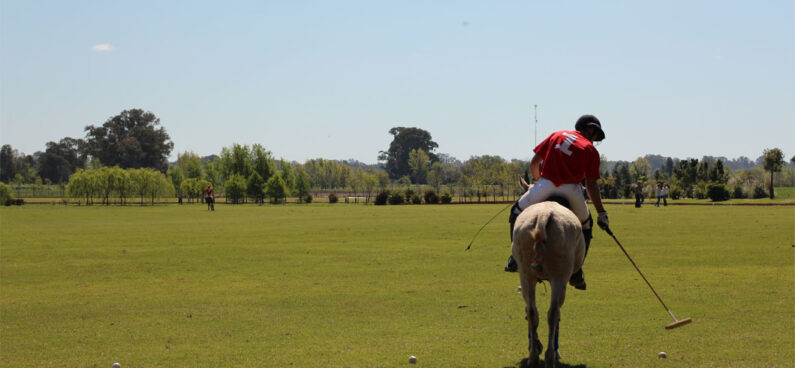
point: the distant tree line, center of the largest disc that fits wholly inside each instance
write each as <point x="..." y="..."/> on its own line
<point x="112" y="152"/>
<point x="693" y="178"/>
<point x="110" y="184"/>
<point x="133" y="139"/>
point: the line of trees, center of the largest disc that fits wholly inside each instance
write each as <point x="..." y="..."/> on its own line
<point x="693" y="178"/>
<point x="251" y="174"/>
<point x="134" y="139"/>
<point x="109" y="184"/>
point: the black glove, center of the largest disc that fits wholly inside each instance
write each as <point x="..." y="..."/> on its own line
<point x="603" y="221"/>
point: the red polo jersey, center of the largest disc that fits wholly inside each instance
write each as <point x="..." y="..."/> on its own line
<point x="568" y="158"/>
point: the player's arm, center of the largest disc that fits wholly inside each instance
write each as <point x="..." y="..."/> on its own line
<point x="535" y="166"/>
<point x="593" y="193"/>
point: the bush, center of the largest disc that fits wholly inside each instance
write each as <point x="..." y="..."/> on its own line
<point x="332" y="198"/>
<point x="308" y="198"/>
<point x="396" y="198"/>
<point x="447" y="198"/>
<point x="738" y="192"/>
<point x="431" y="197"/>
<point x="416" y="199"/>
<point x="700" y="190"/>
<point x="409" y="193"/>
<point x="717" y="192"/>
<point x="675" y="192"/>
<point x="5" y="193"/>
<point x="760" y="192"/>
<point x="381" y="198"/>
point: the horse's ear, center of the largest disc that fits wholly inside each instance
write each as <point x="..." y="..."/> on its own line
<point x="524" y="184"/>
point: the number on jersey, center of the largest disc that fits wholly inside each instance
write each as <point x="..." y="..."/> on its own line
<point x="564" y="147"/>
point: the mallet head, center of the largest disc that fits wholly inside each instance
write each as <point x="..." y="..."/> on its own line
<point x="678" y="323"/>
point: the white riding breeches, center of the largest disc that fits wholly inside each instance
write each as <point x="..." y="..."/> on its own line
<point x="544" y="189"/>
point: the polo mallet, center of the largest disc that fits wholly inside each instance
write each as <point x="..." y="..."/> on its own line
<point x="677" y="322"/>
<point x="484" y="225"/>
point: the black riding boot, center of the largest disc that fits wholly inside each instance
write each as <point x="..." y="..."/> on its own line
<point x="512" y="266"/>
<point x="578" y="278"/>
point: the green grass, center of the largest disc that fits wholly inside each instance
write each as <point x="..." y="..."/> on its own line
<point x="784" y="192"/>
<point x="365" y="286"/>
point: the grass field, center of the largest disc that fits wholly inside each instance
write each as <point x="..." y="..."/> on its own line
<point x="366" y="286"/>
<point x="784" y="192"/>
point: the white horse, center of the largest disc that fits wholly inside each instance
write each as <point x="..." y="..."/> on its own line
<point x="548" y="245"/>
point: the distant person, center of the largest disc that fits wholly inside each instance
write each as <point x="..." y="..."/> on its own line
<point x="209" y="197"/>
<point x="665" y="194"/>
<point x="658" y="193"/>
<point x="561" y="162"/>
<point x="638" y="194"/>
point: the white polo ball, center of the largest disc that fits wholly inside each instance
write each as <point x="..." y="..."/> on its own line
<point x="412" y="359"/>
<point x="662" y="355"/>
<point x="116" y="365"/>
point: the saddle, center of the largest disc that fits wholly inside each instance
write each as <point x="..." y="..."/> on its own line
<point x="560" y="200"/>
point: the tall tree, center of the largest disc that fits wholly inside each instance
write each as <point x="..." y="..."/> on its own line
<point x="236" y="161"/>
<point x="668" y="167"/>
<point x="132" y="139"/>
<point x="405" y="140"/>
<point x="718" y="174"/>
<point x="436" y="175"/>
<point x="369" y="183"/>
<point x="262" y="162"/>
<point x="286" y="171"/>
<point x="255" y="187"/>
<point x="276" y="189"/>
<point x="640" y="169"/>
<point x="174" y="173"/>
<point x="61" y="159"/>
<point x="419" y="164"/>
<point x="213" y="173"/>
<point x="301" y="183"/>
<point x="686" y="174"/>
<point x="773" y="161"/>
<point x="190" y="164"/>
<point x="16" y="166"/>
<point x="7" y="167"/>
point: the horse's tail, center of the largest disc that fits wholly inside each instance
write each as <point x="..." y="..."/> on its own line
<point x="538" y="235"/>
<point x="543" y="222"/>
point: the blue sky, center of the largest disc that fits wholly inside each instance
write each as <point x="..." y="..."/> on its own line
<point x="328" y="79"/>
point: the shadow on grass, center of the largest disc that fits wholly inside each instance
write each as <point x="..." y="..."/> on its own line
<point x="525" y="363"/>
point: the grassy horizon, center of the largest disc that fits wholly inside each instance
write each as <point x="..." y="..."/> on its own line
<point x="367" y="286"/>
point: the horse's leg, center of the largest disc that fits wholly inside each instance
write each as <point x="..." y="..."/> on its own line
<point x="531" y="312"/>
<point x="553" y="319"/>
